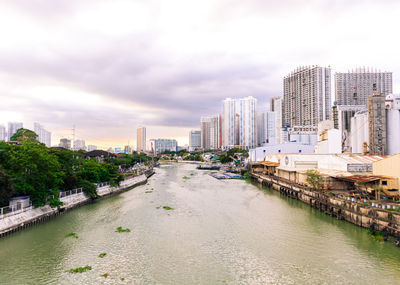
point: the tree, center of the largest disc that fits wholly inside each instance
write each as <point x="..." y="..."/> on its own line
<point x="5" y="187"/>
<point x="314" y="179"/>
<point x="24" y="135"/>
<point x="34" y="172"/>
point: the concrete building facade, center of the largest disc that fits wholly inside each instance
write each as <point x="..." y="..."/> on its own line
<point x="276" y="106"/>
<point x="44" y="136"/>
<point x="13" y="127"/>
<point x="194" y="140"/>
<point x="248" y="128"/>
<point x="359" y="136"/>
<point x="228" y="122"/>
<point x="377" y="124"/>
<point x="210" y="127"/>
<point x="392" y="105"/>
<point x="141" y="139"/>
<point x="307" y="96"/>
<point x="354" y="88"/>
<point x="79" y="145"/>
<point x="270" y="128"/>
<point x="158" y="146"/>
<point x="65" y="143"/>
<point x="3" y="133"/>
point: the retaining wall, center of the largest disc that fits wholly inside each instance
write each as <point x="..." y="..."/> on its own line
<point x="25" y="219"/>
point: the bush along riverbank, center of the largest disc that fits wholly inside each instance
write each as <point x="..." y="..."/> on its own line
<point x="29" y="168"/>
<point x="37" y="215"/>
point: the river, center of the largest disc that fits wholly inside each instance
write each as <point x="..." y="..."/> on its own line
<point x="218" y="232"/>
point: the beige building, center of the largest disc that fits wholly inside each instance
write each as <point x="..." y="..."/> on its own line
<point x="390" y="167"/>
<point x="141" y="139"/>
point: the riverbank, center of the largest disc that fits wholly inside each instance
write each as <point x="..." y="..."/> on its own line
<point x="358" y="214"/>
<point x="34" y="216"/>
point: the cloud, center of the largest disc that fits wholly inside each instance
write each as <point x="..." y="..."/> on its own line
<point x="109" y="66"/>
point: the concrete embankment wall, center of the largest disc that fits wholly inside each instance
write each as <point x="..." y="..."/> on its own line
<point x="31" y="217"/>
<point x="358" y="214"/>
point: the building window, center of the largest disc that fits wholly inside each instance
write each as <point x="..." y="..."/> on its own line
<point x="384" y="182"/>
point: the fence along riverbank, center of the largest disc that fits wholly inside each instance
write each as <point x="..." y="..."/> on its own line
<point x="31" y="216"/>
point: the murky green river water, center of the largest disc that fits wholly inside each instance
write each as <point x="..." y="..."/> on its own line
<point x="220" y="232"/>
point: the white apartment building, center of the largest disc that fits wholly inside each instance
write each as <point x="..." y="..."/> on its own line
<point x="276" y="106"/>
<point x="210" y="132"/>
<point x="3" y="133"/>
<point x="194" y="140"/>
<point x="307" y="96"/>
<point x="44" y="136"/>
<point x="260" y="123"/>
<point x="79" y="145"/>
<point x="158" y="146"/>
<point x="354" y="88"/>
<point x="91" y="147"/>
<point x="266" y="128"/>
<point x="13" y="127"/>
<point x="248" y="128"/>
<point x="270" y="128"/>
<point x="228" y="122"/>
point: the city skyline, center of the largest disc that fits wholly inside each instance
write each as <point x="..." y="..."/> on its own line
<point x="109" y="77"/>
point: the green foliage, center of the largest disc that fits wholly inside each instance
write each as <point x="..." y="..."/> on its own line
<point x="378" y="235"/>
<point x="89" y="189"/>
<point x="185" y="177"/>
<point x="79" y="269"/>
<point x="105" y="275"/>
<point x="74" y="235"/>
<point x="101" y="255"/>
<point x="34" y="172"/>
<point x="314" y="179"/>
<point x="40" y="172"/>
<point x="168" y="208"/>
<point x="224" y="158"/>
<point x="122" y="230"/>
<point x="24" y="135"/>
<point x="55" y="202"/>
<point x="148" y="191"/>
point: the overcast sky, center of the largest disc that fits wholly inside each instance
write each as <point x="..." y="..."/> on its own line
<point x="108" y="66"/>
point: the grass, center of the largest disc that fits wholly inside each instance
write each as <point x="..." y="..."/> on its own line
<point x="101" y="255"/>
<point x="378" y="235"/>
<point x="79" y="269"/>
<point x="74" y="235"/>
<point x="158" y="207"/>
<point x="105" y="275"/>
<point x="148" y="191"/>
<point x="122" y="278"/>
<point x="192" y="174"/>
<point x="121" y="230"/>
<point x="185" y="177"/>
<point x="167" y="208"/>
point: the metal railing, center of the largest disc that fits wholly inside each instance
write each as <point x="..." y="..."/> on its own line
<point x="13" y="210"/>
<point x="102" y="184"/>
<point x="70" y="192"/>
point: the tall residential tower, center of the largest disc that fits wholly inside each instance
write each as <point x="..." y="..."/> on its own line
<point x="141" y="139"/>
<point x="307" y="96"/>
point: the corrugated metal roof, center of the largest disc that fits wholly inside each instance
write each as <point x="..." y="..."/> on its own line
<point x="270" y="163"/>
<point x="360" y="158"/>
<point x="360" y="178"/>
